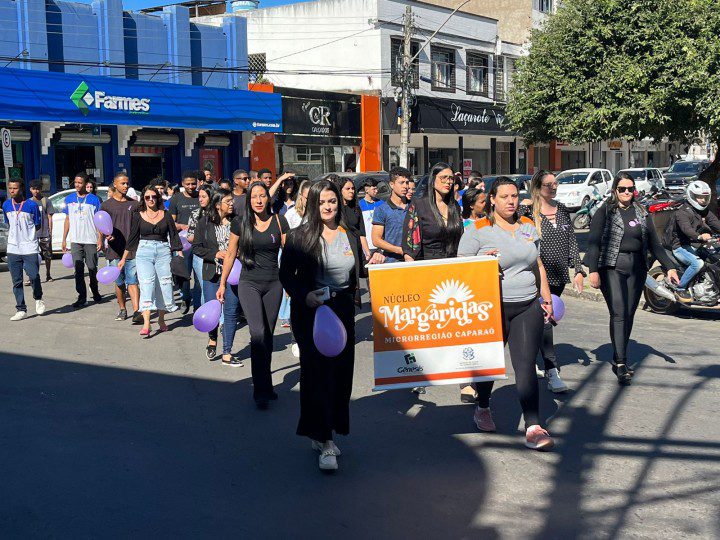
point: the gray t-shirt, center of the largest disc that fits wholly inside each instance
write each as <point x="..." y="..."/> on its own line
<point x="338" y="262"/>
<point x="518" y="254"/>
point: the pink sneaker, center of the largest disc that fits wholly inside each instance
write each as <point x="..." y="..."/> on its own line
<point x="483" y="419"/>
<point x="536" y="438"/>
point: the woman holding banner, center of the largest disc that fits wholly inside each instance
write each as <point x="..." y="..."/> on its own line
<point x="515" y="240"/>
<point x="433" y="224"/>
<point x="320" y="265"/>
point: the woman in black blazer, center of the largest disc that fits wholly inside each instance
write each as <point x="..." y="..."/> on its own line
<point x="322" y="253"/>
<point x="210" y="243"/>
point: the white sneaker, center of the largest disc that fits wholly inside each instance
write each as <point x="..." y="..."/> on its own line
<point x="20" y="315"/>
<point x="39" y="307"/>
<point x="555" y="383"/>
<point x="328" y="461"/>
<point x="539" y="372"/>
<point x="317" y="445"/>
<point x="295" y="350"/>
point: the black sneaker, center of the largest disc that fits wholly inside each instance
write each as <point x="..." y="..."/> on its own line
<point x="211" y="352"/>
<point x="97" y="298"/>
<point x="137" y="318"/>
<point x="122" y="315"/>
<point x="683" y="296"/>
<point x="79" y="304"/>
<point x="623" y="375"/>
<point x="233" y="362"/>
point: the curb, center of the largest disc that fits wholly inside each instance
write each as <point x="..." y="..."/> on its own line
<point x="587" y="294"/>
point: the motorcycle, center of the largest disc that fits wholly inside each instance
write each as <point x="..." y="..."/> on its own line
<point x="704" y="289"/>
<point x="585" y="214"/>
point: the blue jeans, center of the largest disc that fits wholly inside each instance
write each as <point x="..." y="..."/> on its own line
<point x="31" y="266"/>
<point x="231" y="312"/>
<point x="152" y="261"/>
<point x="196" y="268"/>
<point x="688" y="256"/>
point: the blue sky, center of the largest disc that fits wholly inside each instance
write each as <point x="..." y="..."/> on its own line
<point x="140" y="4"/>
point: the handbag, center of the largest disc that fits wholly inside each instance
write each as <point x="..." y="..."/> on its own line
<point x="179" y="269"/>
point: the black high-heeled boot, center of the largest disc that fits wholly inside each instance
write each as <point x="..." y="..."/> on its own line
<point x="623" y="374"/>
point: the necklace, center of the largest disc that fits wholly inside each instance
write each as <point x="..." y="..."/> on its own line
<point x="157" y="213"/>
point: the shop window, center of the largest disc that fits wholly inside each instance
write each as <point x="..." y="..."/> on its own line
<point x="477" y="77"/>
<point x="308" y="154"/>
<point x="396" y="61"/>
<point x="443" y="69"/>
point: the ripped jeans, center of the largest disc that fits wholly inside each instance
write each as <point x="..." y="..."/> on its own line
<point x="152" y="262"/>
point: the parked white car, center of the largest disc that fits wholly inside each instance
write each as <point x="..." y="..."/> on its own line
<point x="58" y="202"/>
<point x="646" y="178"/>
<point x="577" y="186"/>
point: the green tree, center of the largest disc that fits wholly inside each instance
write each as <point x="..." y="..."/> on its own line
<point x="605" y="69"/>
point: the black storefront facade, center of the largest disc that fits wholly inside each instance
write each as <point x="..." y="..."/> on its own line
<point x="469" y="135"/>
<point x="321" y="132"/>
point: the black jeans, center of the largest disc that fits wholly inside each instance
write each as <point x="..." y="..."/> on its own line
<point x="260" y="301"/>
<point x="85" y="255"/>
<point x="621" y="287"/>
<point x="547" y="349"/>
<point x="522" y="330"/>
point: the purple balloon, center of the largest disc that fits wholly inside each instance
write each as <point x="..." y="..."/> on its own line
<point x="207" y="316"/>
<point x="234" y="276"/>
<point x="67" y="260"/>
<point x="329" y="333"/>
<point x="558" y="308"/>
<point x="107" y="274"/>
<point x="186" y="245"/>
<point x="103" y="222"/>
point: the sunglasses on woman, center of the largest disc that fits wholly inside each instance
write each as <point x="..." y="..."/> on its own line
<point x="623" y="189"/>
<point x="150" y="198"/>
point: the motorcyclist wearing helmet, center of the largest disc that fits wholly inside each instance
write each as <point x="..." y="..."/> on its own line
<point x="692" y="222"/>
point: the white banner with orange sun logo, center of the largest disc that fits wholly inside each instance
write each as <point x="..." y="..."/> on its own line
<point x="436" y="322"/>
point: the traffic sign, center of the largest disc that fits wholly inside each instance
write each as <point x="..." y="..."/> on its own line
<point x="6" y="147"/>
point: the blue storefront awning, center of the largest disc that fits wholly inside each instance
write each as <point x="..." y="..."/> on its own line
<point x="42" y="96"/>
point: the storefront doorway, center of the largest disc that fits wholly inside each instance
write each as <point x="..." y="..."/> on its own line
<point x="146" y="164"/>
<point x="70" y="160"/>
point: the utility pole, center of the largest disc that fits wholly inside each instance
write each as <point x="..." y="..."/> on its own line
<point x="407" y="84"/>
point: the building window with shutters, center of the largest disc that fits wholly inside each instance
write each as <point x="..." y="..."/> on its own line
<point x="396" y="61"/>
<point x="504" y="68"/>
<point x="477" y="74"/>
<point x="443" y="69"/>
<point x="544" y="6"/>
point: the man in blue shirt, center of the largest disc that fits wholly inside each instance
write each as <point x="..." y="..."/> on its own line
<point x="85" y="241"/>
<point x="388" y="217"/>
<point x="23" y="217"/>
<point x="368" y="204"/>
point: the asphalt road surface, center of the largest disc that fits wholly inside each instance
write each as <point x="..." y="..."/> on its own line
<point x="107" y="435"/>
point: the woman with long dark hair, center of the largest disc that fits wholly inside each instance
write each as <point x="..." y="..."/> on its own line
<point x="285" y="197"/>
<point x="256" y="237"/>
<point x="210" y="245"/>
<point x="320" y="265"/>
<point x="205" y="194"/>
<point x="153" y="238"/>
<point x="433" y="224"/>
<point x="515" y="240"/>
<point x="351" y="213"/>
<point x="622" y="234"/>
<point x="558" y="252"/>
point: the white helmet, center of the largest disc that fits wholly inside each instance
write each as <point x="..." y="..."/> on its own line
<point x="698" y="189"/>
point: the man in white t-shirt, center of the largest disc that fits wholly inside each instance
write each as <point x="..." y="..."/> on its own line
<point x="85" y="241"/>
<point x="23" y="218"/>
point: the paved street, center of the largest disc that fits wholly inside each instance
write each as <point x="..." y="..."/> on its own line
<point x="108" y="435"/>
